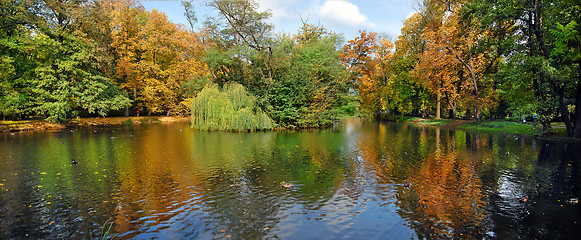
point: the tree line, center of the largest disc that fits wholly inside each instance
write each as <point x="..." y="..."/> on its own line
<point x="469" y="59"/>
<point x="62" y="59"/>
<point x="476" y="58"/>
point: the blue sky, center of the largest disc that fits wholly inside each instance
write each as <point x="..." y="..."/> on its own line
<point x="340" y="16"/>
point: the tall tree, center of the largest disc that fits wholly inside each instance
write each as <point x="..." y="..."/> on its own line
<point x="127" y="21"/>
<point x="536" y="60"/>
<point x="59" y="72"/>
<point x="409" y="94"/>
<point x="367" y="59"/>
<point x="249" y="28"/>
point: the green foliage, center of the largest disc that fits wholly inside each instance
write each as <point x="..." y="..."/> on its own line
<point x="54" y="63"/>
<point x="567" y="40"/>
<point x="229" y="108"/>
<point x="310" y="88"/>
<point x="66" y="79"/>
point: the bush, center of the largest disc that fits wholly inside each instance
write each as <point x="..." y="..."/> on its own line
<point x="231" y="108"/>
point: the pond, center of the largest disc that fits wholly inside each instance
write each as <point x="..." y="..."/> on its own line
<point x="357" y="180"/>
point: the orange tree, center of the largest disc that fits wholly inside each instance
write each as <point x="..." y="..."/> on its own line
<point x="367" y="60"/>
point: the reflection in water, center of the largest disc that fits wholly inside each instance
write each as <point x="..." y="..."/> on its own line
<point x="361" y="179"/>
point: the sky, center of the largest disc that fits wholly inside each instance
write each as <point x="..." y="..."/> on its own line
<point x="340" y="16"/>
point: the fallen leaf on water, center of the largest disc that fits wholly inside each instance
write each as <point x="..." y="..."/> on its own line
<point x="222" y="230"/>
<point x="228" y="236"/>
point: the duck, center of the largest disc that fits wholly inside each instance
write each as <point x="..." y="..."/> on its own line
<point x="286" y="185"/>
<point x="74" y="161"/>
<point x="525" y="198"/>
<point x="573" y="201"/>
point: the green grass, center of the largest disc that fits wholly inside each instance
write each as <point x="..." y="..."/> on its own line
<point x="502" y="127"/>
<point x="127" y="122"/>
<point x="436" y="122"/>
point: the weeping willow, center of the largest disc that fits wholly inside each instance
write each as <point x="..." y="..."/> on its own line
<point x="231" y="108"/>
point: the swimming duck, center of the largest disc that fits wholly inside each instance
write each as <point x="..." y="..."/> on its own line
<point x="573" y="201"/>
<point x="285" y="184"/>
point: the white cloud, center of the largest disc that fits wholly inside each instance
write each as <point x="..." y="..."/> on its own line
<point x="344" y="13"/>
<point x="278" y="8"/>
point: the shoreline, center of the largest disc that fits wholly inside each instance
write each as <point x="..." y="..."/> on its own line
<point x="494" y="127"/>
<point x="42" y="125"/>
<point x="466" y="125"/>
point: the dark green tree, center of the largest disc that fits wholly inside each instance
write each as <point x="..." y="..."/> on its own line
<point x="540" y="72"/>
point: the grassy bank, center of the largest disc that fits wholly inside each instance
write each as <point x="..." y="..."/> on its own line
<point x="503" y="127"/>
<point x="41" y="125"/>
<point x="497" y="126"/>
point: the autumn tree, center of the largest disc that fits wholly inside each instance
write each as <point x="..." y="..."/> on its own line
<point x="158" y="62"/>
<point x="450" y="65"/>
<point x="367" y="59"/>
<point x="127" y="21"/>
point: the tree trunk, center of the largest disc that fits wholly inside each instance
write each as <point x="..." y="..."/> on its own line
<point x="452" y="113"/>
<point x="577" y="130"/>
<point x="126" y="113"/>
<point x="438" y="106"/>
<point x="424" y="115"/>
<point x="546" y="128"/>
<point x="565" y="113"/>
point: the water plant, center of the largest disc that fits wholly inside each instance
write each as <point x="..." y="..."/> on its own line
<point x="105" y="234"/>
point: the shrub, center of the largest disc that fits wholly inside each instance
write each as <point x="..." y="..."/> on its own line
<point x="232" y="108"/>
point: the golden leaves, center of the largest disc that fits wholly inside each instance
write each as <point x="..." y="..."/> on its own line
<point x="156" y="57"/>
<point x="368" y="61"/>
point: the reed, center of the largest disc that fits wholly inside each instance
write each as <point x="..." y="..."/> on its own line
<point x="229" y="108"/>
<point x="105" y="231"/>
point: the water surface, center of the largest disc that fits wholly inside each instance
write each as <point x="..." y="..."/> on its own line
<point x="358" y="180"/>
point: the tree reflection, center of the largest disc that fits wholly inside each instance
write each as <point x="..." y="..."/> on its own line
<point x="159" y="181"/>
<point x="445" y="199"/>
